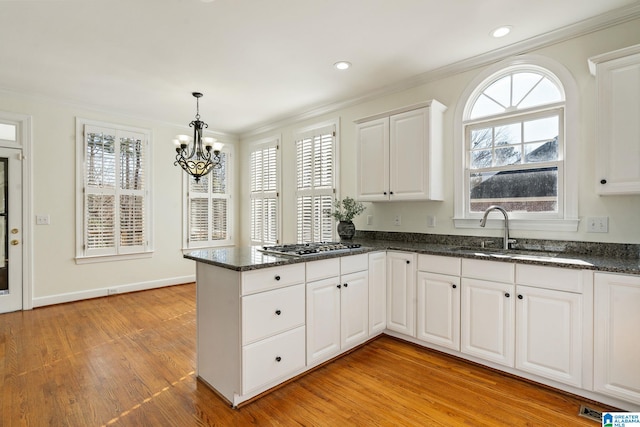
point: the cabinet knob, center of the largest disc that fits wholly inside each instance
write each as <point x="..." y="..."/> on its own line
<point x="339" y="286"/>
<point x="384" y="192"/>
<point x="408" y="262"/>
<point x="454" y="286"/>
<point x="520" y="297"/>
<point x="603" y="181"/>
<point x="278" y="312"/>
<point x="346" y="285"/>
<point x="390" y="192"/>
<point x="507" y="294"/>
<point x="277" y="277"/>
<point x="278" y="358"/>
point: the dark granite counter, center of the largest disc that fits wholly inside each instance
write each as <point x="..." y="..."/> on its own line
<point x="616" y="258"/>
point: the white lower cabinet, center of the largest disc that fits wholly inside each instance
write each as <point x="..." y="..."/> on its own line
<point x="377" y="292"/>
<point x="487" y="320"/>
<point x="616" y="343"/>
<point x="401" y="285"/>
<point x="337" y="307"/>
<point x="438" y="301"/>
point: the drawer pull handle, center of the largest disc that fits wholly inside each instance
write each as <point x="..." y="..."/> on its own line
<point x="339" y="286"/>
<point x="346" y="285"/>
<point x="520" y="297"/>
<point x="506" y="294"/>
<point x="278" y="358"/>
<point x="277" y="277"/>
<point x="278" y="312"/>
<point x="454" y="286"/>
<point x="603" y="181"/>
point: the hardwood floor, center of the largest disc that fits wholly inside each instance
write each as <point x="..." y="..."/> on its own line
<point x="129" y="360"/>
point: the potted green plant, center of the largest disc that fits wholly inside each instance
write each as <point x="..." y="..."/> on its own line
<point x="344" y="211"/>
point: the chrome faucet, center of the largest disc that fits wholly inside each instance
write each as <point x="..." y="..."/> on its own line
<point x="483" y="222"/>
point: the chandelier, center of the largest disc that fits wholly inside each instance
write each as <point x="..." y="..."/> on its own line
<point x="204" y="154"/>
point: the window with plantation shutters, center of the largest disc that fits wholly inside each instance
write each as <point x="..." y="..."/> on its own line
<point x="208" y="207"/>
<point x="113" y="195"/>
<point x="315" y="183"/>
<point x="263" y="165"/>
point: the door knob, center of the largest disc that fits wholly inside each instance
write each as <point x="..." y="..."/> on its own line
<point x="14" y="242"/>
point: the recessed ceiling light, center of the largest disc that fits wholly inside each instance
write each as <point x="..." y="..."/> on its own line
<point x="342" y="65"/>
<point x="501" y="31"/>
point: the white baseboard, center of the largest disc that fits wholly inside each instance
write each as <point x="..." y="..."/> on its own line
<point x="111" y="290"/>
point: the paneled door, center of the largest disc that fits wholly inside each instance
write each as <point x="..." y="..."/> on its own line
<point x="11" y="243"/>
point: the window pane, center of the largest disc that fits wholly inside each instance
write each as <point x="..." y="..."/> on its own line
<point x="7" y="132"/>
<point x="199" y="219"/>
<point x="481" y="138"/>
<point x="546" y="92"/>
<point x="218" y="219"/>
<point x="511" y="155"/>
<point x="508" y="134"/>
<point x="541" y="130"/>
<point x="500" y="92"/>
<point x="101" y="214"/>
<point x="541" y="151"/>
<point x="131" y="164"/>
<point x="201" y="186"/>
<point x="523" y="83"/>
<point x="481" y="159"/>
<point x="219" y="176"/>
<point x="533" y="190"/>
<point x="101" y="160"/>
<point x="485" y="107"/>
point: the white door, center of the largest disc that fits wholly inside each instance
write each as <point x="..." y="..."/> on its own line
<point x="487" y="320"/>
<point x="377" y="292"/>
<point x="354" y="309"/>
<point x="401" y="283"/>
<point x="323" y="319"/>
<point x="10" y="230"/>
<point x="438" y="309"/>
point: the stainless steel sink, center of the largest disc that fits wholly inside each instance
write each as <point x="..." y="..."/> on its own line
<point x="506" y="253"/>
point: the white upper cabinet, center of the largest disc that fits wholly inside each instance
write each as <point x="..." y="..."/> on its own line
<point x="618" y="128"/>
<point x="400" y="154"/>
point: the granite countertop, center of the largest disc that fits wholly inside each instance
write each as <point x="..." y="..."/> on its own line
<point x="588" y="256"/>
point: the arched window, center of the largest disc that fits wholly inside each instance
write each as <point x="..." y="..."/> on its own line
<point x="513" y="132"/>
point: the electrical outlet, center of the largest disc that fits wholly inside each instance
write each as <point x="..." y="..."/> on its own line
<point x="431" y="221"/>
<point x="43" y="219"/>
<point x="112" y="291"/>
<point x="598" y="224"/>
<point x="369" y="219"/>
<point x="397" y="220"/>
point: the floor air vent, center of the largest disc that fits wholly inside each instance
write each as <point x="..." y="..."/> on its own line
<point x="591" y="414"/>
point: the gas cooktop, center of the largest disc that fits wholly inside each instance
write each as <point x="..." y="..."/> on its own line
<point x="305" y="249"/>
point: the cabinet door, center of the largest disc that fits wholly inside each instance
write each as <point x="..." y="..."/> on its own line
<point x="323" y="319"/>
<point x="487" y="316"/>
<point x="373" y="160"/>
<point x="616" y="344"/>
<point x="438" y="309"/>
<point x="408" y="155"/>
<point x="401" y="283"/>
<point x="377" y="292"/>
<point x="549" y="334"/>
<point x="618" y="132"/>
<point x="354" y="309"/>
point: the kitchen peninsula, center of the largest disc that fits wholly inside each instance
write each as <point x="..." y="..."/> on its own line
<point x="264" y="319"/>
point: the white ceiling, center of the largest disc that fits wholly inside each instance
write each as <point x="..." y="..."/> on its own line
<point x="256" y="61"/>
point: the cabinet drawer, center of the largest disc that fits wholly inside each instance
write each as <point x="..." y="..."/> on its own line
<point x="353" y="263"/>
<point x="272" y="312"/>
<point x="488" y="270"/>
<point x="323" y="269"/>
<point x="271" y="359"/>
<point x="272" y="278"/>
<point x="439" y="264"/>
<point x="561" y="279"/>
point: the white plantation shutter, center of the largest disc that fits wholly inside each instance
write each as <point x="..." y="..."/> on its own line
<point x="315" y="165"/>
<point x="209" y="208"/>
<point x="115" y="195"/>
<point x="264" y="193"/>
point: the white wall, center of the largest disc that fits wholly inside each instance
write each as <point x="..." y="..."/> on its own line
<point x="623" y="211"/>
<point x="56" y="276"/>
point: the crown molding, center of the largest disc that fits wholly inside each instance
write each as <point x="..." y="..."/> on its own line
<point x="590" y="25"/>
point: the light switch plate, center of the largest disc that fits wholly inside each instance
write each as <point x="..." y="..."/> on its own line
<point x="43" y="219"/>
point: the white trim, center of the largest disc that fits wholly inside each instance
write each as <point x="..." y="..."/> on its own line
<point x="119" y="289"/>
<point x="108" y="258"/>
<point x="571" y="131"/>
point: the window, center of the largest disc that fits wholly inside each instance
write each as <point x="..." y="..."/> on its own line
<point x="264" y="164"/>
<point x="515" y="152"/>
<point x="208" y="204"/>
<point x="315" y="189"/>
<point x="113" y="197"/>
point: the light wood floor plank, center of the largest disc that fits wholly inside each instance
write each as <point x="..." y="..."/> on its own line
<point x="129" y="360"/>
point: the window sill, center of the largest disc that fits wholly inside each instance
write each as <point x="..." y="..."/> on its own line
<point x="521" y="224"/>
<point x="109" y="258"/>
